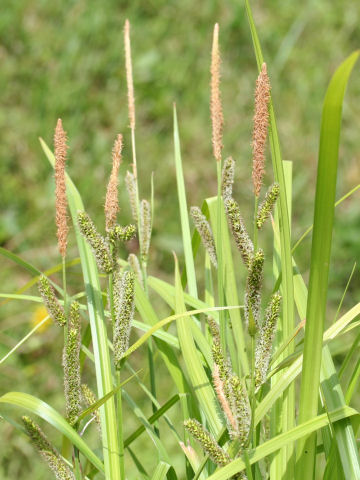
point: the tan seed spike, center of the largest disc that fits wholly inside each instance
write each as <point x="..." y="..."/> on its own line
<point x="261" y="123"/>
<point x="129" y="75"/>
<point x="217" y="118"/>
<point x="60" y="147"/>
<point x="111" y="201"/>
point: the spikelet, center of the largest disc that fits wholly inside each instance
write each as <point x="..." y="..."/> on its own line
<point x="267" y="205"/>
<point x="129" y="75"/>
<point x="145" y="229"/>
<point x="52" y="304"/>
<point x="60" y="148"/>
<point x="97" y="242"/>
<point x="205" y="232"/>
<point x="253" y="288"/>
<point x="131" y="189"/>
<point x="228" y="173"/>
<point x="135" y="265"/>
<point x="111" y="200"/>
<point x="237" y="227"/>
<point x="88" y="399"/>
<point x="241" y="409"/>
<point x="121" y="234"/>
<point x="217" y="119"/>
<point x="265" y="340"/>
<point x="71" y="364"/>
<point x="207" y="441"/>
<point x="47" y="451"/>
<point x="124" y="291"/>
<point x="261" y="123"/>
<point x="222" y="397"/>
<point x="217" y="352"/>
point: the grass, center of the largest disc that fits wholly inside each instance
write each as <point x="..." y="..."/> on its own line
<point x="176" y="380"/>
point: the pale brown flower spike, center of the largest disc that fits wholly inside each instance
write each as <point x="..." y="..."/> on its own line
<point x="60" y="147"/>
<point x="111" y="200"/>
<point x="129" y="75"/>
<point x="261" y="123"/>
<point x="217" y="118"/>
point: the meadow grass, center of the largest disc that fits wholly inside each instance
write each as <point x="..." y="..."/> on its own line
<point x="231" y="355"/>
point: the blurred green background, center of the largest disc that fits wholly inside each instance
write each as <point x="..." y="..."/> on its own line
<point x="65" y="59"/>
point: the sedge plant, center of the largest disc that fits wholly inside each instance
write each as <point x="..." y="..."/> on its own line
<point x="232" y="352"/>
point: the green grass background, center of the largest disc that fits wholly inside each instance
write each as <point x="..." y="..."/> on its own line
<point x="65" y="59"/>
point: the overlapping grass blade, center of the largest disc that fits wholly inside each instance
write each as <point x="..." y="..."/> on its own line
<point x="99" y="339"/>
<point x="320" y="257"/>
<point x="51" y="416"/>
<point x="280" y="441"/>
<point x="199" y="380"/>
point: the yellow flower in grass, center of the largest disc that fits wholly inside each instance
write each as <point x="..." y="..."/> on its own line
<point x="38" y="316"/>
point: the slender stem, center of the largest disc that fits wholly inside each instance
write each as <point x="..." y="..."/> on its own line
<point x="255" y="227"/>
<point x="252" y="432"/>
<point x="220" y="259"/>
<point x="77" y="465"/>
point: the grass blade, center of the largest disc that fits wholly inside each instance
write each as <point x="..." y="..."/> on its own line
<point x="320" y="257"/>
<point x="51" y="416"/>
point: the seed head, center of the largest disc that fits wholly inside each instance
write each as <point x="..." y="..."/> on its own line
<point x="60" y="148"/>
<point x="47" y="451"/>
<point x="267" y="205"/>
<point x="97" y="242"/>
<point x="207" y="441"/>
<point x="228" y="173"/>
<point x="253" y="288"/>
<point x="111" y="200"/>
<point x="88" y="398"/>
<point x="260" y="130"/>
<point x="145" y="229"/>
<point x="224" y="403"/>
<point x="135" y="266"/>
<point x="241" y="408"/>
<point x="132" y="189"/>
<point x="205" y="232"/>
<point x="71" y="364"/>
<point x="52" y="304"/>
<point x="265" y="340"/>
<point x="124" y="304"/>
<point x="122" y="234"/>
<point x="215" y="99"/>
<point x="238" y="229"/>
<point x="129" y="75"/>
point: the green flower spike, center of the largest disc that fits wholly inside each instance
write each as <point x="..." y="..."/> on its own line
<point x="52" y="304"/>
<point x="253" y="289"/>
<point x="267" y="205"/>
<point x="205" y="232"/>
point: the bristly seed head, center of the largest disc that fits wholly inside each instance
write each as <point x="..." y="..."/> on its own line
<point x="111" y="200"/>
<point x="60" y="148"/>
<point x="268" y="204"/>
<point x="241" y="407"/>
<point x="215" y="99"/>
<point x="265" y="340"/>
<point x="121" y="234"/>
<point x="135" y="265"/>
<point x="260" y="129"/>
<point x="238" y="229"/>
<point x="208" y="443"/>
<point x="88" y="398"/>
<point x="131" y="189"/>
<point x="205" y="232"/>
<point x="97" y="242"/>
<point x="47" y="451"/>
<point x="52" y="304"/>
<point x="71" y="364"/>
<point x="253" y="288"/>
<point x="228" y="174"/>
<point x="124" y="305"/>
<point x="145" y="229"/>
<point x="129" y="75"/>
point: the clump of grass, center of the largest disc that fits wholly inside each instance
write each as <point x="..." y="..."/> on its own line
<point x="222" y="404"/>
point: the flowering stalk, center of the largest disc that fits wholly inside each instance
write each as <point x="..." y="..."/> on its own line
<point x="111" y="199"/>
<point x="205" y="232"/>
<point x="48" y="452"/>
<point x="52" y="304"/>
<point x="267" y="205"/>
